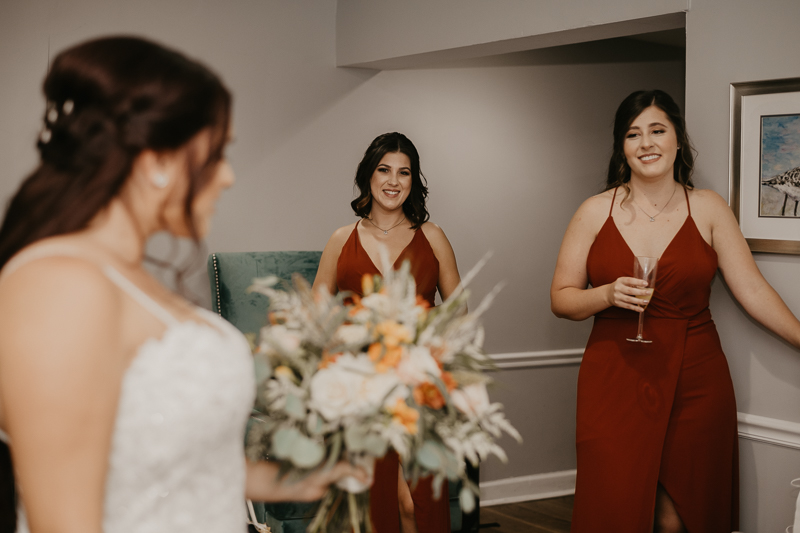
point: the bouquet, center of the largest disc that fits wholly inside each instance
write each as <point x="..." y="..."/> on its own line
<point x="347" y="380"/>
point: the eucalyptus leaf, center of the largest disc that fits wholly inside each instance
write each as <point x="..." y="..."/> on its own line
<point x="429" y="456"/>
<point x="355" y="438"/>
<point x="437" y="486"/>
<point x="467" y="500"/>
<point x="307" y="453"/>
<point x="285" y="439"/>
<point x="262" y="367"/>
<point x="295" y="407"/>
<point x="451" y="464"/>
<point x="375" y="445"/>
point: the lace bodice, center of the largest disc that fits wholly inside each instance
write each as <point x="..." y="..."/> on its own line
<point x="177" y="460"/>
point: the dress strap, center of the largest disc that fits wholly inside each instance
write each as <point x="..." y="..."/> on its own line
<point x="613" y="198"/>
<point x="139" y="296"/>
<point x="687" y="201"/>
<point x="62" y="250"/>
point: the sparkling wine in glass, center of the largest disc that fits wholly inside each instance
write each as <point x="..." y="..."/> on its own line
<point x="644" y="268"/>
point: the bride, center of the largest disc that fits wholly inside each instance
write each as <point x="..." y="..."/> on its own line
<point x="124" y="406"/>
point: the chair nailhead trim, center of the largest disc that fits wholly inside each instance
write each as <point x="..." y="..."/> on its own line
<point x="216" y="283"/>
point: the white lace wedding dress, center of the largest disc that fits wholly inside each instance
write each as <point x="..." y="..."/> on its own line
<point x="177" y="460"/>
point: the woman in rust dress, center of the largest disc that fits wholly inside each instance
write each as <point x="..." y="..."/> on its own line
<point x="392" y="215"/>
<point x="656" y="428"/>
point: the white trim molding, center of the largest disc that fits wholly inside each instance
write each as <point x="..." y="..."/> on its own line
<point x="503" y="361"/>
<point x="526" y="488"/>
<point x="769" y="430"/>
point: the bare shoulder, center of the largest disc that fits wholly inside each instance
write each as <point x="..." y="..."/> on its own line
<point x="707" y="199"/>
<point x="435" y="236"/>
<point x="710" y="211"/>
<point x="58" y="284"/>
<point x="341" y="235"/>
<point x="593" y="212"/>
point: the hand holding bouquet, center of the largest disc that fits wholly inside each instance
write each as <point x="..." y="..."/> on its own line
<point x="347" y="381"/>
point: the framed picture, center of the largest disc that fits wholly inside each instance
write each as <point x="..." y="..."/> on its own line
<point x="765" y="163"/>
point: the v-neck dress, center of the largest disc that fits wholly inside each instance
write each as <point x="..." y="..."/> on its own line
<point x="656" y="413"/>
<point x="432" y="516"/>
<point x="354" y="262"/>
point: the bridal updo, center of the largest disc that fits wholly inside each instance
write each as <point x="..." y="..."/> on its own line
<point x="107" y="100"/>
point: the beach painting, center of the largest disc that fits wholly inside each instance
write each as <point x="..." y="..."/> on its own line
<point x="779" y="193"/>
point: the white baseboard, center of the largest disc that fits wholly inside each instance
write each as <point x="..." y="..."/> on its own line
<point x="769" y="430"/>
<point x="571" y="356"/>
<point x="526" y="488"/>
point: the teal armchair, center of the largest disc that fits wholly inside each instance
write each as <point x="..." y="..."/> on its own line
<point x="230" y="275"/>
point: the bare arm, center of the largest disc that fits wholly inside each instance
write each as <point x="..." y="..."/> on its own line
<point x="570" y="296"/>
<point x="61" y="366"/>
<point x="741" y="273"/>
<point x="326" y="274"/>
<point x="449" y="277"/>
<point x="264" y="484"/>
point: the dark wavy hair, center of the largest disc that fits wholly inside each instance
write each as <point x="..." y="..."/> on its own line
<point x="619" y="173"/>
<point x="108" y="100"/>
<point x="414" y="206"/>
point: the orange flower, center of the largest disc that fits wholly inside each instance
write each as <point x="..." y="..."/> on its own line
<point x="428" y="394"/>
<point x="449" y="381"/>
<point x="375" y="351"/>
<point x="328" y="359"/>
<point x="356" y="305"/>
<point x="385" y="357"/>
<point x="422" y="302"/>
<point x="405" y="416"/>
<point x="393" y="333"/>
<point x="437" y="352"/>
<point x="367" y="284"/>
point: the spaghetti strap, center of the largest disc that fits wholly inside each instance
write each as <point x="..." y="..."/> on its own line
<point x="612" y="201"/>
<point x="689" y="207"/>
<point x="141" y="297"/>
<point x="61" y="250"/>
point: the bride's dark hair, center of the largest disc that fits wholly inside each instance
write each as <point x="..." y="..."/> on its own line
<point x="108" y="100"/>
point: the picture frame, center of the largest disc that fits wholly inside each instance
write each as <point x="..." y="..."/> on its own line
<point x="765" y="163"/>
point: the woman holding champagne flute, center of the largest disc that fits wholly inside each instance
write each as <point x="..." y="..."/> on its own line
<point x="656" y="427"/>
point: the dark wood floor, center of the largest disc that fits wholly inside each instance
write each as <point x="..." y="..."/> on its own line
<point x="540" y="516"/>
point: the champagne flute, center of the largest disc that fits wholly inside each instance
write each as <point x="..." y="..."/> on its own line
<point x="644" y="268"/>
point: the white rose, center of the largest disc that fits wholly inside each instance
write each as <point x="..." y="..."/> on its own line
<point x="418" y="366"/>
<point x="400" y="392"/>
<point x="287" y="341"/>
<point x="472" y="400"/>
<point x="335" y="392"/>
<point x="352" y="334"/>
<point x="380" y="303"/>
<point x="377" y="388"/>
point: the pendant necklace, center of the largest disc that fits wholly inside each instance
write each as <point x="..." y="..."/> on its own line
<point x="653" y="217"/>
<point x="386" y="231"/>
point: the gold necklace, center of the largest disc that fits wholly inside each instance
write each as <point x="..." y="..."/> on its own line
<point x="386" y="231"/>
<point x="653" y="217"/>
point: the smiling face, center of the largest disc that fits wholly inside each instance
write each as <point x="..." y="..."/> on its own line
<point x="391" y="182"/>
<point x="651" y="145"/>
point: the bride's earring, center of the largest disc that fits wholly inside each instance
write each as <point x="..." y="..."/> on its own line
<point x="160" y="180"/>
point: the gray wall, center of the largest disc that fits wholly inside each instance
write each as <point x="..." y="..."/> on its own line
<point x="727" y="42"/>
<point x="511" y="145"/>
<point x="386" y="34"/>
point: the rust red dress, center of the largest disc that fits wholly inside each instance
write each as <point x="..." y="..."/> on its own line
<point x="656" y="413"/>
<point x="431" y="515"/>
